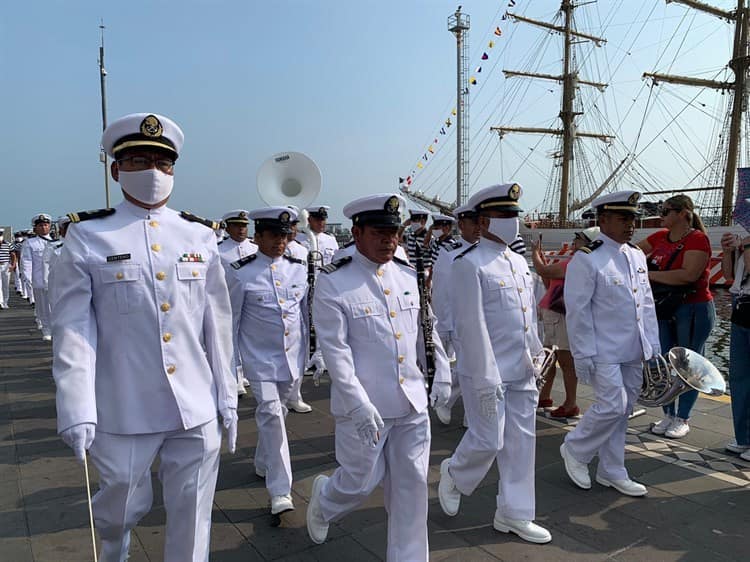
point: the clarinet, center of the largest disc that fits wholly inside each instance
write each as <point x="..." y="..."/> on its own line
<point x="425" y="320"/>
<point x="312" y="259"/>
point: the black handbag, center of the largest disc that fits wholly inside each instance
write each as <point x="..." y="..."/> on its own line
<point x="668" y="298"/>
<point x="741" y="311"/>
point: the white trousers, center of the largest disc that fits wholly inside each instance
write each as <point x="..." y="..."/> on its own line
<point x="296" y="393"/>
<point x="189" y="465"/>
<point x="4" y="284"/>
<point x="272" y="450"/>
<point x="400" y="461"/>
<point x="42" y="311"/>
<point x="508" y="438"/>
<point x="20" y="285"/>
<point x="602" y="428"/>
<point x="29" y="291"/>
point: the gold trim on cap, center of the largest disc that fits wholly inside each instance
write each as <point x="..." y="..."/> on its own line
<point x="619" y="208"/>
<point x="139" y="142"/>
<point x="499" y="204"/>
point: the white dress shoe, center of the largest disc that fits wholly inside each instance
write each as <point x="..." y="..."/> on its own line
<point x="678" y="429"/>
<point x="444" y="414"/>
<point x="317" y="527"/>
<point x="299" y="406"/>
<point x="527" y="530"/>
<point x="734" y="447"/>
<point x="661" y="427"/>
<point x="241" y="389"/>
<point x="745" y="456"/>
<point x="626" y="486"/>
<point x="577" y="471"/>
<point x="47" y="338"/>
<point x="448" y="494"/>
<point x="245" y="382"/>
<point x="281" y="504"/>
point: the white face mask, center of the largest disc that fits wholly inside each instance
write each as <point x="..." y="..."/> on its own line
<point x="505" y="229"/>
<point x="414" y="227"/>
<point x="147" y="186"/>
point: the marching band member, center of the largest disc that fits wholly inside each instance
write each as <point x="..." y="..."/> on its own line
<point x="143" y="347"/>
<point x="52" y="253"/>
<point x="612" y="329"/>
<point x="32" y="265"/>
<point x="442" y="294"/>
<point x="367" y="315"/>
<point x="414" y="236"/>
<point x="231" y="249"/>
<point x="499" y="350"/>
<point x="441" y="235"/>
<point x="268" y="291"/>
<point x="327" y="245"/>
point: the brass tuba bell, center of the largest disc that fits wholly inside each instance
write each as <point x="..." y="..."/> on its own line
<point x="665" y="377"/>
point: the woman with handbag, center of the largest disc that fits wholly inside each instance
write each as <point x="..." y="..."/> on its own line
<point x="735" y="265"/>
<point x="678" y="260"/>
<point x="552" y="307"/>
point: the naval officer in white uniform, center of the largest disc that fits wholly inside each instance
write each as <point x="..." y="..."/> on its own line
<point x="499" y="350"/>
<point x="231" y="249"/>
<point x="612" y="329"/>
<point x="268" y="291"/>
<point x="366" y="311"/>
<point x="32" y="268"/>
<point x="143" y="346"/>
<point x="327" y="245"/>
<point x="445" y="296"/>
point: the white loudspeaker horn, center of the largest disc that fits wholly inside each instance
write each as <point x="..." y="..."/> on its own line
<point x="289" y="178"/>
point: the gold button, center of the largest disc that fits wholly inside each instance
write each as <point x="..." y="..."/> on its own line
<point x="398" y="335"/>
<point x="153" y="224"/>
<point x="380" y="272"/>
<point x="119" y="275"/>
<point x="387" y="291"/>
<point x="502" y="283"/>
<point x="520" y="289"/>
<point x="401" y="358"/>
<point x="281" y="301"/>
<point x="525" y="328"/>
<point x="635" y="290"/>
<point x="195" y="273"/>
<point x="284" y="316"/>
<point x="638" y="305"/>
<point x="165" y="307"/>
<point x="286" y="332"/>
<point x="161" y="276"/>
<point x="171" y="369"/>
<point x="401" y="380"/>
<point x="155" y="247"/>
<point x="512" y="270"/>
<point x="638" y="318"/>
<point x="523" y="309"/>
<point x="296" y="294"/>
<point x="286" y="349"/>
<point x="393" y="313"/>
<point x="273" y="267"/>
<point x="167" y="337"/>
<point x="367" y="310"/>
<point x="278" y="283"/>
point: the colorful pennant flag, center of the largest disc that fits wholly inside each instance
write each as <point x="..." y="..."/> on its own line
<point x="485" y="56"/>
<point x="453" y="111"/>
<point x="424" y="157"/>
<point x="442" y="130"/>
<point x="448" y="121"/>
<point x="419" y="165"/>
<point x="472" y="80"/>
<point x="511" y="3"/>
<point x="401" y="180"/>
<point x="435" y="140"/>
<point x="498" y="31"/>
<point x="430" y="149"/>
<point x="478" y="70"/>
<point x="491" y="44"/>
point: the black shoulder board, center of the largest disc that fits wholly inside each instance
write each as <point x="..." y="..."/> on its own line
<point x="634" y="246"/>
<point x="188" y="216"/>
<point x="454" y="244"/>
<point x="243" y="261"/>
<point x="87" y="215"/>
<point x="402" y="262"/>
<point x="349" y="243"/>
<point x="588" y="248"/>
<point x="334" y="265"/>
<point x="466" y="251"/>
<point x="220" y="242"/>
<point x="293" y="259"/>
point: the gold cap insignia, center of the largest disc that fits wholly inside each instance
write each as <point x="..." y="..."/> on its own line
<point x="284" y="216"/>
<point x="633" y="199"/>
<point x="322" y="211"/>
<point x="243" y="215"/>
<point x="392" y="204"/>
<point x="151" y="127"/>
<point x="514" y="192"/>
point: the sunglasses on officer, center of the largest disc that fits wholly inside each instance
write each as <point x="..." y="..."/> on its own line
<point x="138" y="163"/>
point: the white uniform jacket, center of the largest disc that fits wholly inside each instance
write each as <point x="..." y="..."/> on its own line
<point x="367" y="323"/>
<point x="327" y="245"/>
<point x="609" y="307"/>
<point x="141" y="324"/>
<point x="350" y="248"/>
<point x="31" y="260"/>
<point x="442" y="292"/>
<point x="495" y="321"/>
<point x="269" y="312"/>
<point x="230" y="251"/>
<point x="50" y="254"/>
<point x="297" y="250"/>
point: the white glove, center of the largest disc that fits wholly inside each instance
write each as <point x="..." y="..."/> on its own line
<point x="368" y="422"/>
<point x="79" y="438"/>
<point x="229" y="420"/>
<point x="316" y="361"/>
<point x="585" y="369"/>
<point x="441" y="393"/>
<point x="488" y="400"/>
<point x="317" y="375"/>
<point x="656" y="350"/>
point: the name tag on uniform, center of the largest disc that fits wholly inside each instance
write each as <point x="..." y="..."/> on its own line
<point x="118" y="257"/>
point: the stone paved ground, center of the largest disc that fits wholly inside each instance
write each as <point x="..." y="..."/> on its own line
<point x="698" y="507"/>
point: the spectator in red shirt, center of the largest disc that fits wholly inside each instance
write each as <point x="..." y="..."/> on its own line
<point x="679" y="255"/>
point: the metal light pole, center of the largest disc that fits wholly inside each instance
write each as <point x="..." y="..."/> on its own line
<point x="102" y="75"/>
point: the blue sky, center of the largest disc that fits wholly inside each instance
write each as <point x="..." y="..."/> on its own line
<point x="361" y="87"/>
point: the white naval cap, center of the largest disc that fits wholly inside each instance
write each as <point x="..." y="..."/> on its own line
<point x="417" y="212"/>
<point x="273" y="218"/>
<point x="589" y="234"/>
<point x="500" y="197"/>
<point x="62" y="220"/>
<point x="296" y="210"/>
<point x="379" y="210"/>
<point x="619" y="201"/>
<point x="439" y="217"/>
<point x="318" y="212"/>
<point x="237" y="216"/>
<point x="41" y="217"/>
<point x="143" y="129"/>
<point x="465" y="211"/>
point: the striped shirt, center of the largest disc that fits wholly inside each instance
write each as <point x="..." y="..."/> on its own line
<point x="448" y="244"/>
<point x="415" y="247"/>
<point x="5" y="249"/>
<point x="518" y="246"/>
